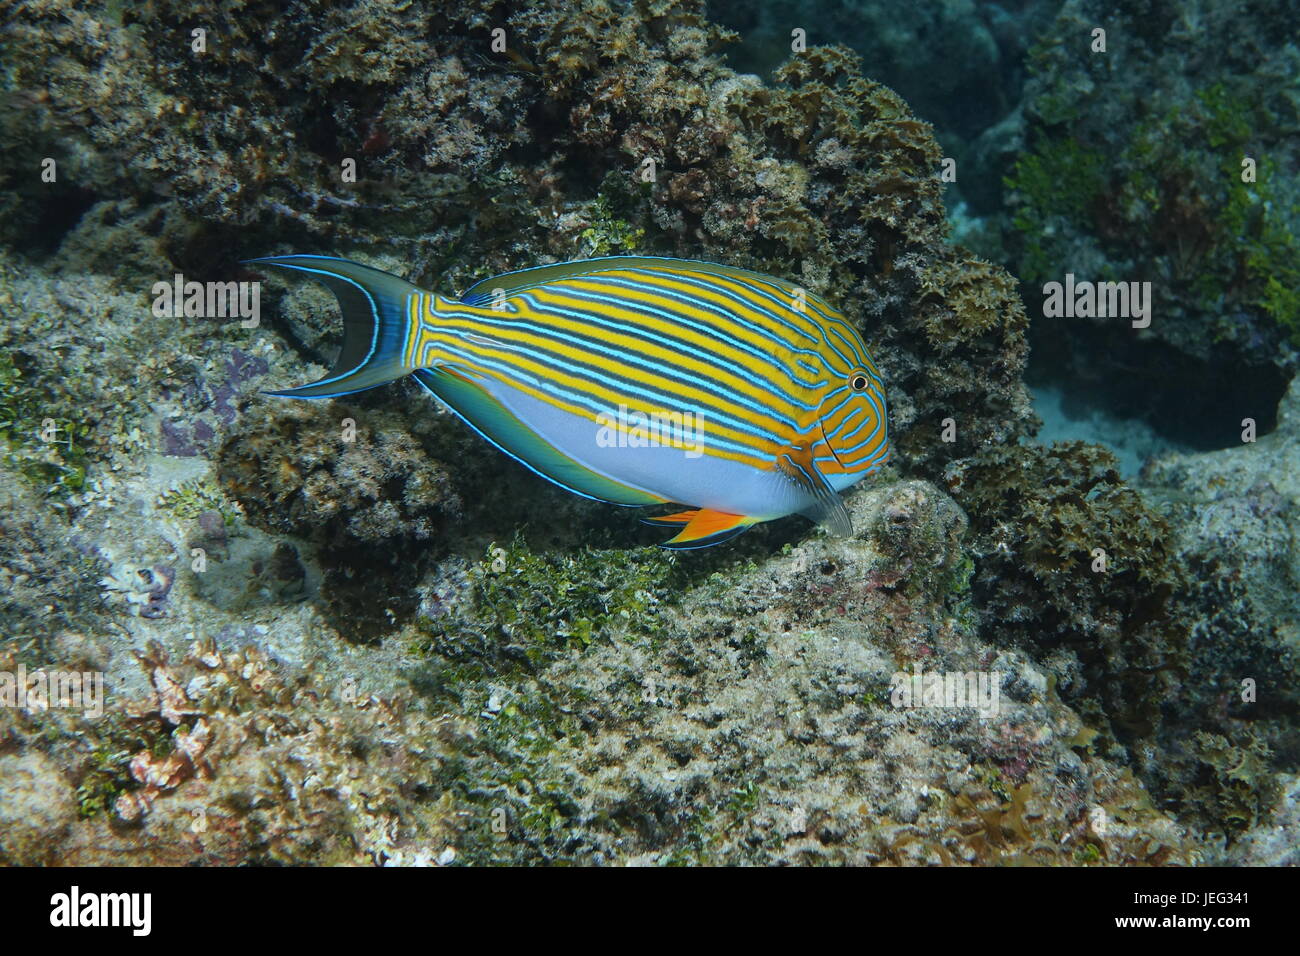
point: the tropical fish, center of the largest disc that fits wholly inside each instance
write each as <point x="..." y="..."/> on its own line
<point x="633" y="380"/>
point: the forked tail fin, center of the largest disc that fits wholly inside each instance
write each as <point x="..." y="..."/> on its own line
<point x="375" y="308"/>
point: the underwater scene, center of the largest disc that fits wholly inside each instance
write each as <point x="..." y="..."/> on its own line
<point x="650" y="432"/>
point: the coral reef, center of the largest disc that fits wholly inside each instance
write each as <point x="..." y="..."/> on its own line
<point x="47" y="581"/>
<point x="960" y="61"/>
<point x="351" y="632"/>
<point x="749" y="722"/>
<point x="825" y="176"/>
<point x="752" y="722"/>
<point x="359" y="486"/>
<point x="232" y="759"/>
<point x="1232" y="513"/>
<point x="314" y="469"/>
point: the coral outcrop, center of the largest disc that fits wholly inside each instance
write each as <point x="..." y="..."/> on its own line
<point x="1163" y="159"/>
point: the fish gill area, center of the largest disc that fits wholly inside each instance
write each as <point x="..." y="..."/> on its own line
<point x="351" y="632"/>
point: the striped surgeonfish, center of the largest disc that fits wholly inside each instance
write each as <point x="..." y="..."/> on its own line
<point x="633" y="380"/>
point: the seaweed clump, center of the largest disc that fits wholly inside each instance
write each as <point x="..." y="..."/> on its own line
<point x="48" y="579"/>
<point x="525" y="606"/>
<point x="44" y="449"/>
<point x="1236" y="784"/>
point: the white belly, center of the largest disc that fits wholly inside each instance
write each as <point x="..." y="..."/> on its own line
<point x="671" y="466"/>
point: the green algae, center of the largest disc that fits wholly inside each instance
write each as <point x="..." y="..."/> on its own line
<point x="543" y="602"/>
<point x="609" y="232"/>
<point x="1253" y="218"/>
<point x="1060" y="179"/>
<point x="522" y="806"/>
<point x="198" y="496"/>
<point x="1164" y="194"/>
<point x="44" y="446"/>
<point x="1269" y="249"/>
<point x="107" y="775"/>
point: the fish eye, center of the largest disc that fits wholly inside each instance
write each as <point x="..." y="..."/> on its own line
<point x="858" y="382"/>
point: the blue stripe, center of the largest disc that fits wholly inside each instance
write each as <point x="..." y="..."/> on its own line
<point x="723" y="391"/>
<point x="702" y="281"/>
<point x="508" y="374"/>
<point x="732" y="318"/>
<point x="662" y="397"/>
<point x="674" y="318"/>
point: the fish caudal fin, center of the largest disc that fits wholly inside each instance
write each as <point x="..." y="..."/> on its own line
<point x="375" y="308"/>
<point x="703" y="528"/>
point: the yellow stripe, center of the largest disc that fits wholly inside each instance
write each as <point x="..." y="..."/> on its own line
<point x="728" y="328"/>
<point x="669" y="387"/>
<point x="755" y="313"/>
<point x="767" y="448"/>
<point x="707" y="370"/>
<point x="680" y="331"/>
<point x="413" y="312"/>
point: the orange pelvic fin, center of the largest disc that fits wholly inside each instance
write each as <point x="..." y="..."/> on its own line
<point x="675" y="520"/>
<point x="704" y="528"/>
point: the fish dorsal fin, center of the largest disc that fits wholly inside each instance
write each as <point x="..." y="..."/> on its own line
<point x="480" y="293"/>
<point x="827" y="507"/>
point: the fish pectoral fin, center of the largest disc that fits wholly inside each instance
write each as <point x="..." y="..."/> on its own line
<point x="705" y="528"/>
<point x="826" y="507"/>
